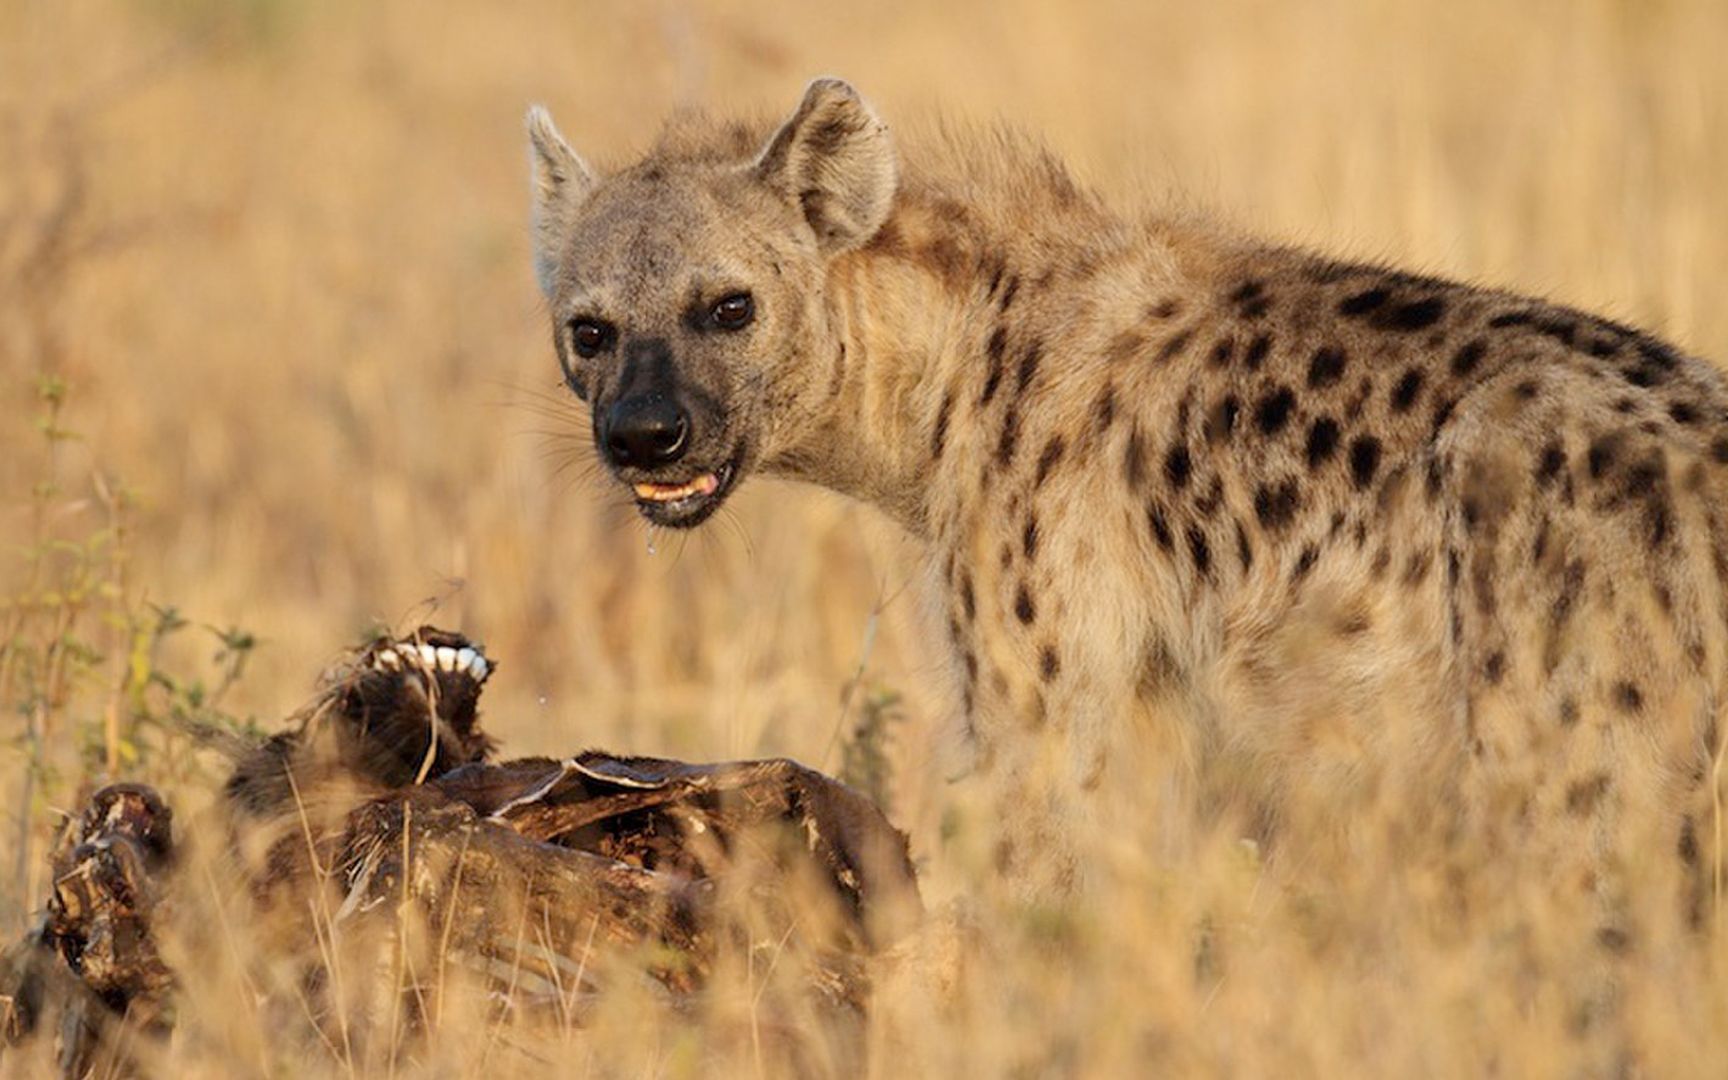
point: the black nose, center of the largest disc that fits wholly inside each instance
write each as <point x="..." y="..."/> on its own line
<point x="646" y="431"/>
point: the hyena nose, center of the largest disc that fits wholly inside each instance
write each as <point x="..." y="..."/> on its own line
<point x="647" y="431"/>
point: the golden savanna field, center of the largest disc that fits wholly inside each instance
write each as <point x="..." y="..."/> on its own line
<point x="274" y="373"/>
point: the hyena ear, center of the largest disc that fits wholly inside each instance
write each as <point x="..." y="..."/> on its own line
<point x="834" y="159"/>
<point x="561" y="182"/>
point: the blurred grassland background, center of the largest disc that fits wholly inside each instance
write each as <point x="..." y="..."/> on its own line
<point x="277" y="253"/>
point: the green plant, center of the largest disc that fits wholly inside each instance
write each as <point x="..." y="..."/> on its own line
<point x="81" y="656"/>
<point x="864" y="758"/>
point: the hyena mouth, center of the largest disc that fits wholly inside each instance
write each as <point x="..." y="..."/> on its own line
<point x="686" y="504"/>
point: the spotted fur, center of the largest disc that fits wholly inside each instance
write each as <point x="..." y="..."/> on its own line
<point x="1324" y="530"/>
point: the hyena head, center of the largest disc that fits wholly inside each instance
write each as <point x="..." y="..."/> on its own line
<point x="686" y="290"/>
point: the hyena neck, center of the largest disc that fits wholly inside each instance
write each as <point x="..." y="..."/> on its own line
<point x="909" y="309"/>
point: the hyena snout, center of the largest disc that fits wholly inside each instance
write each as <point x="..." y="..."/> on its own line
<point x="646" y="431"/>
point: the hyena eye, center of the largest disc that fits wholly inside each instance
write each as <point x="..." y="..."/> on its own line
<point x="733" y="312"/>
<point x="588" y="337"/>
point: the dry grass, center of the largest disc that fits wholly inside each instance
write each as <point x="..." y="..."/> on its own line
<point x="297" y="318"/>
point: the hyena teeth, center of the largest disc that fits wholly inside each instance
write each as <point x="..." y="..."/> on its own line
<point x="464" y="659"/>
<point x="706" y="484"/>
<point x="478" y="666"/>
<point x="428" y="656"/>
<point x="387" y="658"/>
<point x="446" y="658"/>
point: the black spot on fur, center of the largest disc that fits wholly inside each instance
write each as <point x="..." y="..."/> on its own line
<point x="1048" y="460"/>
<point x="1009" y="292"/>
<point x="1322" y="441"/>
<point x="1166" y="309"/>
<point x="1566" y="600"/>
<point x="1049" y="664"/>
<point x="1363" y="302"/>
<point x="1276" y="504"/>
<point x="1029" y="366"/>
<point x="1201" y="550"/>
<point x="1010" y="440"/>
<point x="1644" y="477"/>
<point x="1178" y="466"/>
<point x="1658" y="519"/>
<point x="1244" y="550"/>
<point x="1472" y="512"/>
<point x="939" y="437"/>
<point x="1568" y="712"/>
<point x="1409" y="316"/>
<point x="1134" y="460"/>
<point x="1024" y="610"/>
<point x="1433" y="475"/>
<point x="1511" y="318"/>
<point x="1160" y="526"/>
<point x="1159" y="670"/>
<point x="1443" y="413"/>
<point x="1326" y="367"/>
<point x="1583" y="795"/>
<point x="1257" y="350"/>
<point x="1563" y="330"/>
<point x="1125" y="346"/>
<point x="1170" y="349"/>
<point x="1482" y="585"/>
<point x="1548" y="466"/>
<point x="1250" y="299"/>
<point x="1104" y="409"/>
<point x="1657" y="353"/>
<point x="1601" y="455"/>
<point x="1494" y="668"/>
<point x="1719" y="450"/>
<point x="1644" y="375"/>
<point x="1628" y="697"/>
<point x="993" y="351"/>
<point x="1305" y="564"/>
<point x="968" y="599"/>
<point x="1683" y="413"/>
<point x="1364" y="460"/>
<point x="1404" y="394"/>
<point x="1466" y="359"/>
<point x="1273" y="410"/>
<point x="1222" y="352"/>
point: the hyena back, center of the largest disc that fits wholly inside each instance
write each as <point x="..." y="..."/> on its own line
<point x="1333" y="536"/>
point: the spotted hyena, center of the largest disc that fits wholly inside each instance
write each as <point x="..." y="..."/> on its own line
<point x="1324" y="535"/>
